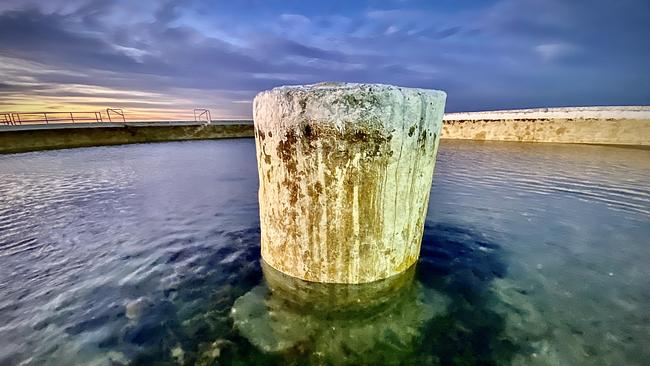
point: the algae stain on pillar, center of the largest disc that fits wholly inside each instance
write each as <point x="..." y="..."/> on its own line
<point x="345" y="173"/>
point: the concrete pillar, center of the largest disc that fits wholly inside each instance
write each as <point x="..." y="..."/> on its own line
<point x="345" y="172"/>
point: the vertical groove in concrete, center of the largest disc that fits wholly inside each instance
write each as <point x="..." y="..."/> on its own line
<point x="345" y="173"/>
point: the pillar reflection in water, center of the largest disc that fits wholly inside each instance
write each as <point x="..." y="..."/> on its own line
<point x="336" y="322"/>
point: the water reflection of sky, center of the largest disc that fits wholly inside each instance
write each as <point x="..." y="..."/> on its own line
<point x="532" y="254"/>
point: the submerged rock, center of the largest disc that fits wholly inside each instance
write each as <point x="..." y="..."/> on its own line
<point x="135" y="309"/>
<point x="211" y="353"/>
<point x="178" y="354"/>
<point x="117" y="358"/>
<point x="334" y="323"/>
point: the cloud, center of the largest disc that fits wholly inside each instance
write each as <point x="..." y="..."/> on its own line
<point x="180" y="55"/>
<point x="391" y="30"/>
<point x="553" y="51"/>
<point x="295" y="20"/>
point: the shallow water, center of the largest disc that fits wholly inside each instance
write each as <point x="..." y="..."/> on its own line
<point x="533" y="254"/>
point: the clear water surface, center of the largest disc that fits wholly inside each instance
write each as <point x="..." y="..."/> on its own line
<point x="533" y="254"/>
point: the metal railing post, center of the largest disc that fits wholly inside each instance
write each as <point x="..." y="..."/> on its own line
<point x="117" y="111"/>
<point x="202" y="112"/>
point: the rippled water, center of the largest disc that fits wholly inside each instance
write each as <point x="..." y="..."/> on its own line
<point x="533" y="254"/>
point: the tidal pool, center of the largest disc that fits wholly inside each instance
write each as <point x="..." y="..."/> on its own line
<point x="533" y="254"/>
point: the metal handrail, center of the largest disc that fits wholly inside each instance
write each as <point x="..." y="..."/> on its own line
<point x="202" y="112"/>
<point x="18" y="118"/>
<point x="201" y="115"/>
<point x="6" y="119"/>
<point x="117" y="111"/>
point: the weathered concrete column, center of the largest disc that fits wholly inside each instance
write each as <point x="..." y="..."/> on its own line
<point x="345" y="173"/>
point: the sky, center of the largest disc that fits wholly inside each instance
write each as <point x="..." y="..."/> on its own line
<point x="162" y="59"/>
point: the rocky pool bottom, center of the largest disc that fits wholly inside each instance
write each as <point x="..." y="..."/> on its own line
<point x="533" y="254"/>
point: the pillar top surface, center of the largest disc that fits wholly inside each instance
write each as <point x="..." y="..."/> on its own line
<point x="342" y="105"/>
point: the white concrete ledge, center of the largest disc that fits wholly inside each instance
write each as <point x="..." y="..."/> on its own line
<point x="635" y="112"/>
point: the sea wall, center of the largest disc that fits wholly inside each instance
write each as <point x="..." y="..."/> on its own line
<point x="586" y="125"/>
<point x="45" y="137"/>
<point x="590" y="125"/>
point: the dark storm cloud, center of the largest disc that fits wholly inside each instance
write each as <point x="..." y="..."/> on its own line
<point x="12" y="88"/>
<point x="487" y="55"/>
<point x="34" y="36"/>
<point x="280" y="47"/>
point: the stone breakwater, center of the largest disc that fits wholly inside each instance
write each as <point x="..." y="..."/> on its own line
<point x="345" y="173"/>
<point x="590" y="125"/>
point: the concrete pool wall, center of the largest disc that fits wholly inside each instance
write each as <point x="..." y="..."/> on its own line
<point x="59" y="136"/>
<point x="585" y="125"/>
